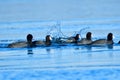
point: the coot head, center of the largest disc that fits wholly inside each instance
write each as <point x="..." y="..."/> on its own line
<point x="110" y="37"/>
<point x="77" y="37"/>
<point x="48" y="40"/>
<point x="29" y="37"/>
<point x="88" y="36"/>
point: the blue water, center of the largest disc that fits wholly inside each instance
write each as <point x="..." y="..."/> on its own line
<point x="69" y="62"/>
<point x="59" y="18"/>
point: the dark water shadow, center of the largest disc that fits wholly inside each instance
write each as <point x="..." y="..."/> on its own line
<point x="30" y="52"/>
<point x="110" y="46"/>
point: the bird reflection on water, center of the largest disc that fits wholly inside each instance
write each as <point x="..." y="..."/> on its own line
<point x="30" y="51"/>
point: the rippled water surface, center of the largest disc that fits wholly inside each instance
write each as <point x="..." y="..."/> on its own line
<point x="71" y="62"/>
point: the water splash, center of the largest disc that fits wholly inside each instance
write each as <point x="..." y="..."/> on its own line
<point x="55" y="31"/>
<point x="82" y="31"/>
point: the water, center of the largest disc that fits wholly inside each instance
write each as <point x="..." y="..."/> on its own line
<point x="59" y="62"/>
<point x="59" y="18"/>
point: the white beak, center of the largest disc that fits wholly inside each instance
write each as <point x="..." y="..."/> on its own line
<point x="50" y="38"/>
